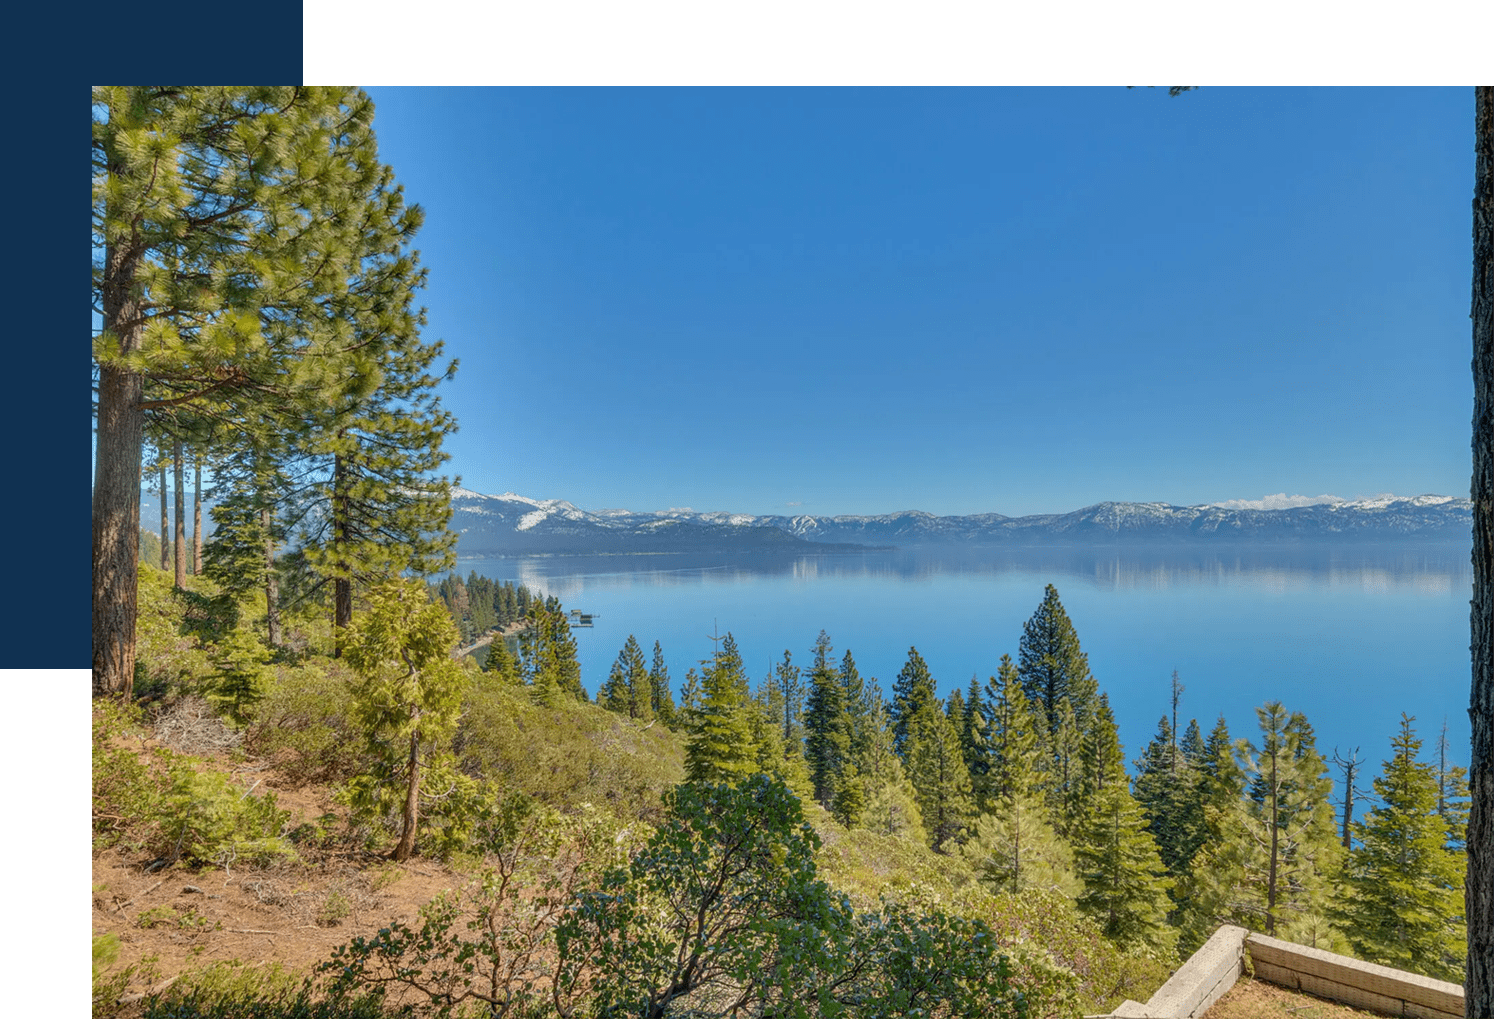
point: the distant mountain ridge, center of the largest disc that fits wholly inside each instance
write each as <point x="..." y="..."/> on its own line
<point x="511" y="524"/>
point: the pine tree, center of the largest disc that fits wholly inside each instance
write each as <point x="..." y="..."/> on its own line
<point x="225" y="220"/>
<point x="858" y="704"/>
<point x="502" y="662"/>
<point x="661" y="700"/>
<point x="1452" y="795"/>
<point x="1207" y="891"/>
<point x="973" y="740"/>
<point x="913" y="688"/>
<point x="1125" y="884"/>
<point x="547" y="653"/>
<point x="827" y="725"/>
<point x="1404" y="906"/>
<point x="1013" y="848"/>
<point x="1063" y="782"/>
<point x="628" y="690"/>
<point x="1101" y="759"/>
<point x="849" y="804"/>
<point x="783" y="699"/>
<point x="891" y="804"/>
<point x="721" y="747"/>
<point x="1052" y="664"/>
<point x="1167" y="787"/>
<point x="936" y="767"/>
<point x="407" y="700"/>
<point x="1285" y="829"/>
<point x="1015" y="734"/>
<point x="378" y="509"/>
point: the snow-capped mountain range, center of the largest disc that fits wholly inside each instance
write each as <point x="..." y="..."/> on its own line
<point x="511" y="524"/>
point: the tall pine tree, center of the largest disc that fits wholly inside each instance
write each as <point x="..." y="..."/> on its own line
<point x="827" y="725"/>
<point x="1404" y="906"/>
<point x="225" y="221"/>
<point x="1052" y="664"/>
<point x="721" y="747"/>
<point x="913" y="688"/>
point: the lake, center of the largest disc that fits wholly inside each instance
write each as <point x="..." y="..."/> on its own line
<point x="1350" y="635"/>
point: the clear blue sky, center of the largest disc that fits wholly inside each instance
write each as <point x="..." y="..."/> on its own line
<point x="1000" y="300"/>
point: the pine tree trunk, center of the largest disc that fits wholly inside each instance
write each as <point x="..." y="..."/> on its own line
<point x="1275" y="794"/>
<point x="196" y="517"/>
<point x="342" y="585"/>
<point x="1479" y="892"/>
<point x="179" y="548"/>
<point x="272" y="581"/>
<point x="165" y="520"/>
<point x="406" y="845"/>
<point x="116" y="485"/>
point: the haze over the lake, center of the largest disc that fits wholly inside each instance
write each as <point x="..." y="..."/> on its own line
<point x="1008" y="300"/>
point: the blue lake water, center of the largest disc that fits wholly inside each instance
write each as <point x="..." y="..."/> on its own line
<point x="1352" y="636"/>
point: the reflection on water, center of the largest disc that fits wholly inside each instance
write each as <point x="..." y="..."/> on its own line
<point x="1351" y="635"/>
<point x="1430" y="570"/>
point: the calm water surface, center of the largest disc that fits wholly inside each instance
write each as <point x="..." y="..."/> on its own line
<point x="1350" y="636"/>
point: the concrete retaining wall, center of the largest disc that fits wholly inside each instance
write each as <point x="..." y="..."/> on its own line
<point x="1215" y="967"/>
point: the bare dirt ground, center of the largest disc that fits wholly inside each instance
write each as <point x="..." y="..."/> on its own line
<point x="293" y="914"/>
<point x="1255" y="999"/>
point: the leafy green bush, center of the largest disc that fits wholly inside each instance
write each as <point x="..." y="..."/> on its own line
<point x="1106" y="974"/>
<point x="170" y="631"/>
<point x="568" y="754"/>
<point x="304" y="724"/>
<point x="205" y="818"/>
<point x="125" y="792"/>
<point x="489" y="946"/>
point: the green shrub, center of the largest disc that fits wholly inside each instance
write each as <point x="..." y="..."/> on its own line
<point x="568" y="754"/>
<point x="205" y="818"/>
<point x="304" y="724"/>
<point x="1106" y="974"/>
<point x="126" y="793"/>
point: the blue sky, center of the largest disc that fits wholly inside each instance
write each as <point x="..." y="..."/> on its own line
<point x="1000" y="300"/>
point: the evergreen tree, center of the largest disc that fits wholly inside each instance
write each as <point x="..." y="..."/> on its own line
<point x="1101" y="760"/>
<point x="689" y="698"/>
<point x="913" y="688"/>
<point x="1207" y="891"/>
<point x="1052" y="664"/>
<point x="1404" y="906"/>
<point x="784" y="701"/>
<point x="407" y="700"/>
<point x="1452" y="795"/>
<point x="827" y="725"/>
<point x="1013" y="848"/>
<point x="1063" y="782"/>
<point x="661" y="700"/>
<point x="973" y="740"/>
<point x="226" y="223"/>
<point x="1193" y="746"/>
<point x="1285" y="828"/>
<point x="628" y="690"/>
<point x="891" y="804"/>
<point x="1167" y="787"/>
<point x="1015" y="733"/>
<point x="721" y="747"/>
<point x="1125" y="884"/>
<point x="858" y="704"/>
<point x="850" y="798"/>
<point x="936" y="767"/>
<point x="502" y="662"/>
<point x="547" y="653"/>
<point x="378" y="509"/>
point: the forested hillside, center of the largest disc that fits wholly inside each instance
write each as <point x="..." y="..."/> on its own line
<point x="1006" y="807"/>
